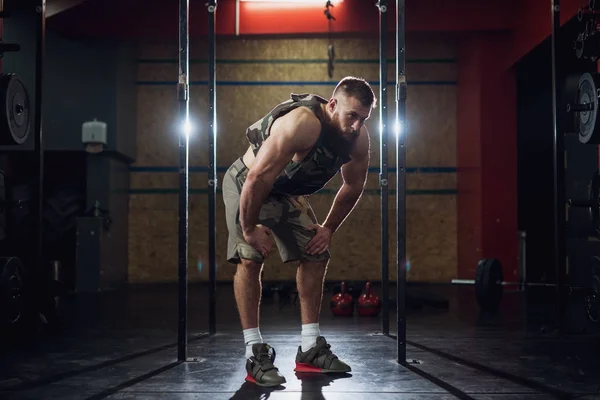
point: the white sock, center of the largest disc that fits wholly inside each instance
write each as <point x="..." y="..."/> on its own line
<point x="310" y="332"/>
<point x="251" y="336"/>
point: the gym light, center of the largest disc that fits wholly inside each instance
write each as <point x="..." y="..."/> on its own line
<point x="286" y="4"/>
<point x="320" y="2"/>
<point x="187" y="128"/>
<point x="398" y="128"/>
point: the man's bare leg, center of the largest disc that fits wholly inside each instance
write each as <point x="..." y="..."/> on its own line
<point x="309" y="280"/>
<point x="247" y="289"/>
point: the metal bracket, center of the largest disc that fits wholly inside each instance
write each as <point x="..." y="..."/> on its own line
<point x="382" y="5"/>
<point x="382" y="181"/>
<point x="211" y="6"/>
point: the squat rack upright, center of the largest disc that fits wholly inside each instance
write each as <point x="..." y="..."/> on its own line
<point x="183" y="94"/>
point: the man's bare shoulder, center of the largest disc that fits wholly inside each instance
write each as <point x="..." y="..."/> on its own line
<point x="300" y="126"/>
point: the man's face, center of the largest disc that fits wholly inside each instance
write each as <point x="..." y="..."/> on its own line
<point x="348" y="115"/>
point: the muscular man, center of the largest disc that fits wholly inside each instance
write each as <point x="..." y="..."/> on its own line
<point x="294" y="151"/>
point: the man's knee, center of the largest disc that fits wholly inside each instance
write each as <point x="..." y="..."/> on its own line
<point x="249" y="267"/>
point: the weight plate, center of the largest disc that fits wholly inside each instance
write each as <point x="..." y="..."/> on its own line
<point x="569" y="97"/>
<point x="593" y="299"/>
<point x="594" y="212"/>
<point x="12" y="298"/>
<point x="585" y="121"/>
<point x="488" y="284"/>
<point x="579" y="45"/>
<point x="15" y="110"/>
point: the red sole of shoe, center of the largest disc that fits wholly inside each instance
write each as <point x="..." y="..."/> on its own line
<point x="250" y="379"/>
<point x="307" y="368"/>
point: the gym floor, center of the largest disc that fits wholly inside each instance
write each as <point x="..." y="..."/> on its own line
<point x="123" y="345"/>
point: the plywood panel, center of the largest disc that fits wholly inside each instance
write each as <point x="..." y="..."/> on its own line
<point x="286" y="65"/>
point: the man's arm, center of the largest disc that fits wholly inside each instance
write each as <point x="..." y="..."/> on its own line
<point x="354" y="174"/>
<point x="293" y="133"/>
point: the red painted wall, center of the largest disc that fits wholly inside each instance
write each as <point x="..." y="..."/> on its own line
<point x="499" y="156"/>
<point x="486" y="155"/>
<point x="533" y="23"/>
<point x="468" y="156"/>
<point x="360" y="16"/>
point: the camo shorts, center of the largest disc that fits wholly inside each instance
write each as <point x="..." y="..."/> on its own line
<point x="286" y="216"/>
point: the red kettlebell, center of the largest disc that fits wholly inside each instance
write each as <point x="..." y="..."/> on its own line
<point x="368" y="304"/>
<point x="342" y="304"/>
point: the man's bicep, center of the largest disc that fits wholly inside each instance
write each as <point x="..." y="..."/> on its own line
<point x="290" y="134"/>
<point x="272" y="158"/>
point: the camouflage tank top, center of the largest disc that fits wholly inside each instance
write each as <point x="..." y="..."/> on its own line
<point x="321" y="164"/>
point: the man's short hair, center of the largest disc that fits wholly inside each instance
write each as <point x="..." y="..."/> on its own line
<point x="358" y="88"/>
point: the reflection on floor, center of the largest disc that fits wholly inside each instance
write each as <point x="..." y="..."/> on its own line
<point x="123" y="345"/>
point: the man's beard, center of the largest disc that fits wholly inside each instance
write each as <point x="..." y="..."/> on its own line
<point x="334" y="127"/>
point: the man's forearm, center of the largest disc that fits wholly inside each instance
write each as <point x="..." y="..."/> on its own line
<point x="344" y="203"/>
<point x="254" y="193"/>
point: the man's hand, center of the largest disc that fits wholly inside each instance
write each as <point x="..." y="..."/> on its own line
<point x="259" y="238"/>
<point x="321" y="241"/>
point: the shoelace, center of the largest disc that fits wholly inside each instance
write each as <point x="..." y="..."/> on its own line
<point x="324" y="350"/>
<point x="266" y="360"/>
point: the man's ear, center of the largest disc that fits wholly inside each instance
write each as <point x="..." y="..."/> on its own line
<point x="332" y="104"/>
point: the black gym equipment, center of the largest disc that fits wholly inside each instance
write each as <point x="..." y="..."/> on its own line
<point x="12" y="292"/>
<point x="211" y="7"/>
<point x="16" y="120"/>
<point x="183" y="100"/>
<point x="383" y="174"/>
<point x="558" y="175"/>
<point x="584" y="107"/>
<point x="183" y="111"/>
<point x="401" y="96"/>
<point x="587" y="42"/>
<point x="489" y="285"/>
<point x="26" y="281"/>
<point x="400" y="102"/>
<point x="183" y="97"/>
<point x="593" y="298"/>
<point x="592" y="203"/>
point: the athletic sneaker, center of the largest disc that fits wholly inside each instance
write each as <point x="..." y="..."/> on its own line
<point x="260" y="367"/>
<point x="319" y="358"/>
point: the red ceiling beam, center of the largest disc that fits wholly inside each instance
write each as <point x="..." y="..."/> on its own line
<point x="136" y="19"/>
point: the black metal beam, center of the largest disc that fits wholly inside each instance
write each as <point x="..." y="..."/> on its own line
<point x="183" y="132"/>
<point x="383" y="175"/>
<point x="38" y="7"/>
<point x="212" y="165"/>
<point x="559" y="171"/>
<point x="399" y="129"/>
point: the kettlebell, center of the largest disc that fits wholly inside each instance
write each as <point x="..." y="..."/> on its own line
<point x="342" y="304"/>
<point x="368" y="304"/>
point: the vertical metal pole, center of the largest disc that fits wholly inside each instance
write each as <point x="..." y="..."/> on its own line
<point x="42" y="270"/>
<point x="522" y="240"/>
<point x="400" y="130"/>
<point x="212" y="173"/>
<point x="383" y="174"/>
<point x="559" y="208"/>
<point x="183" y="132"/>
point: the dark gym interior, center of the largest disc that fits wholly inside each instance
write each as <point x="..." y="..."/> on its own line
<point x="488" y="153"/>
